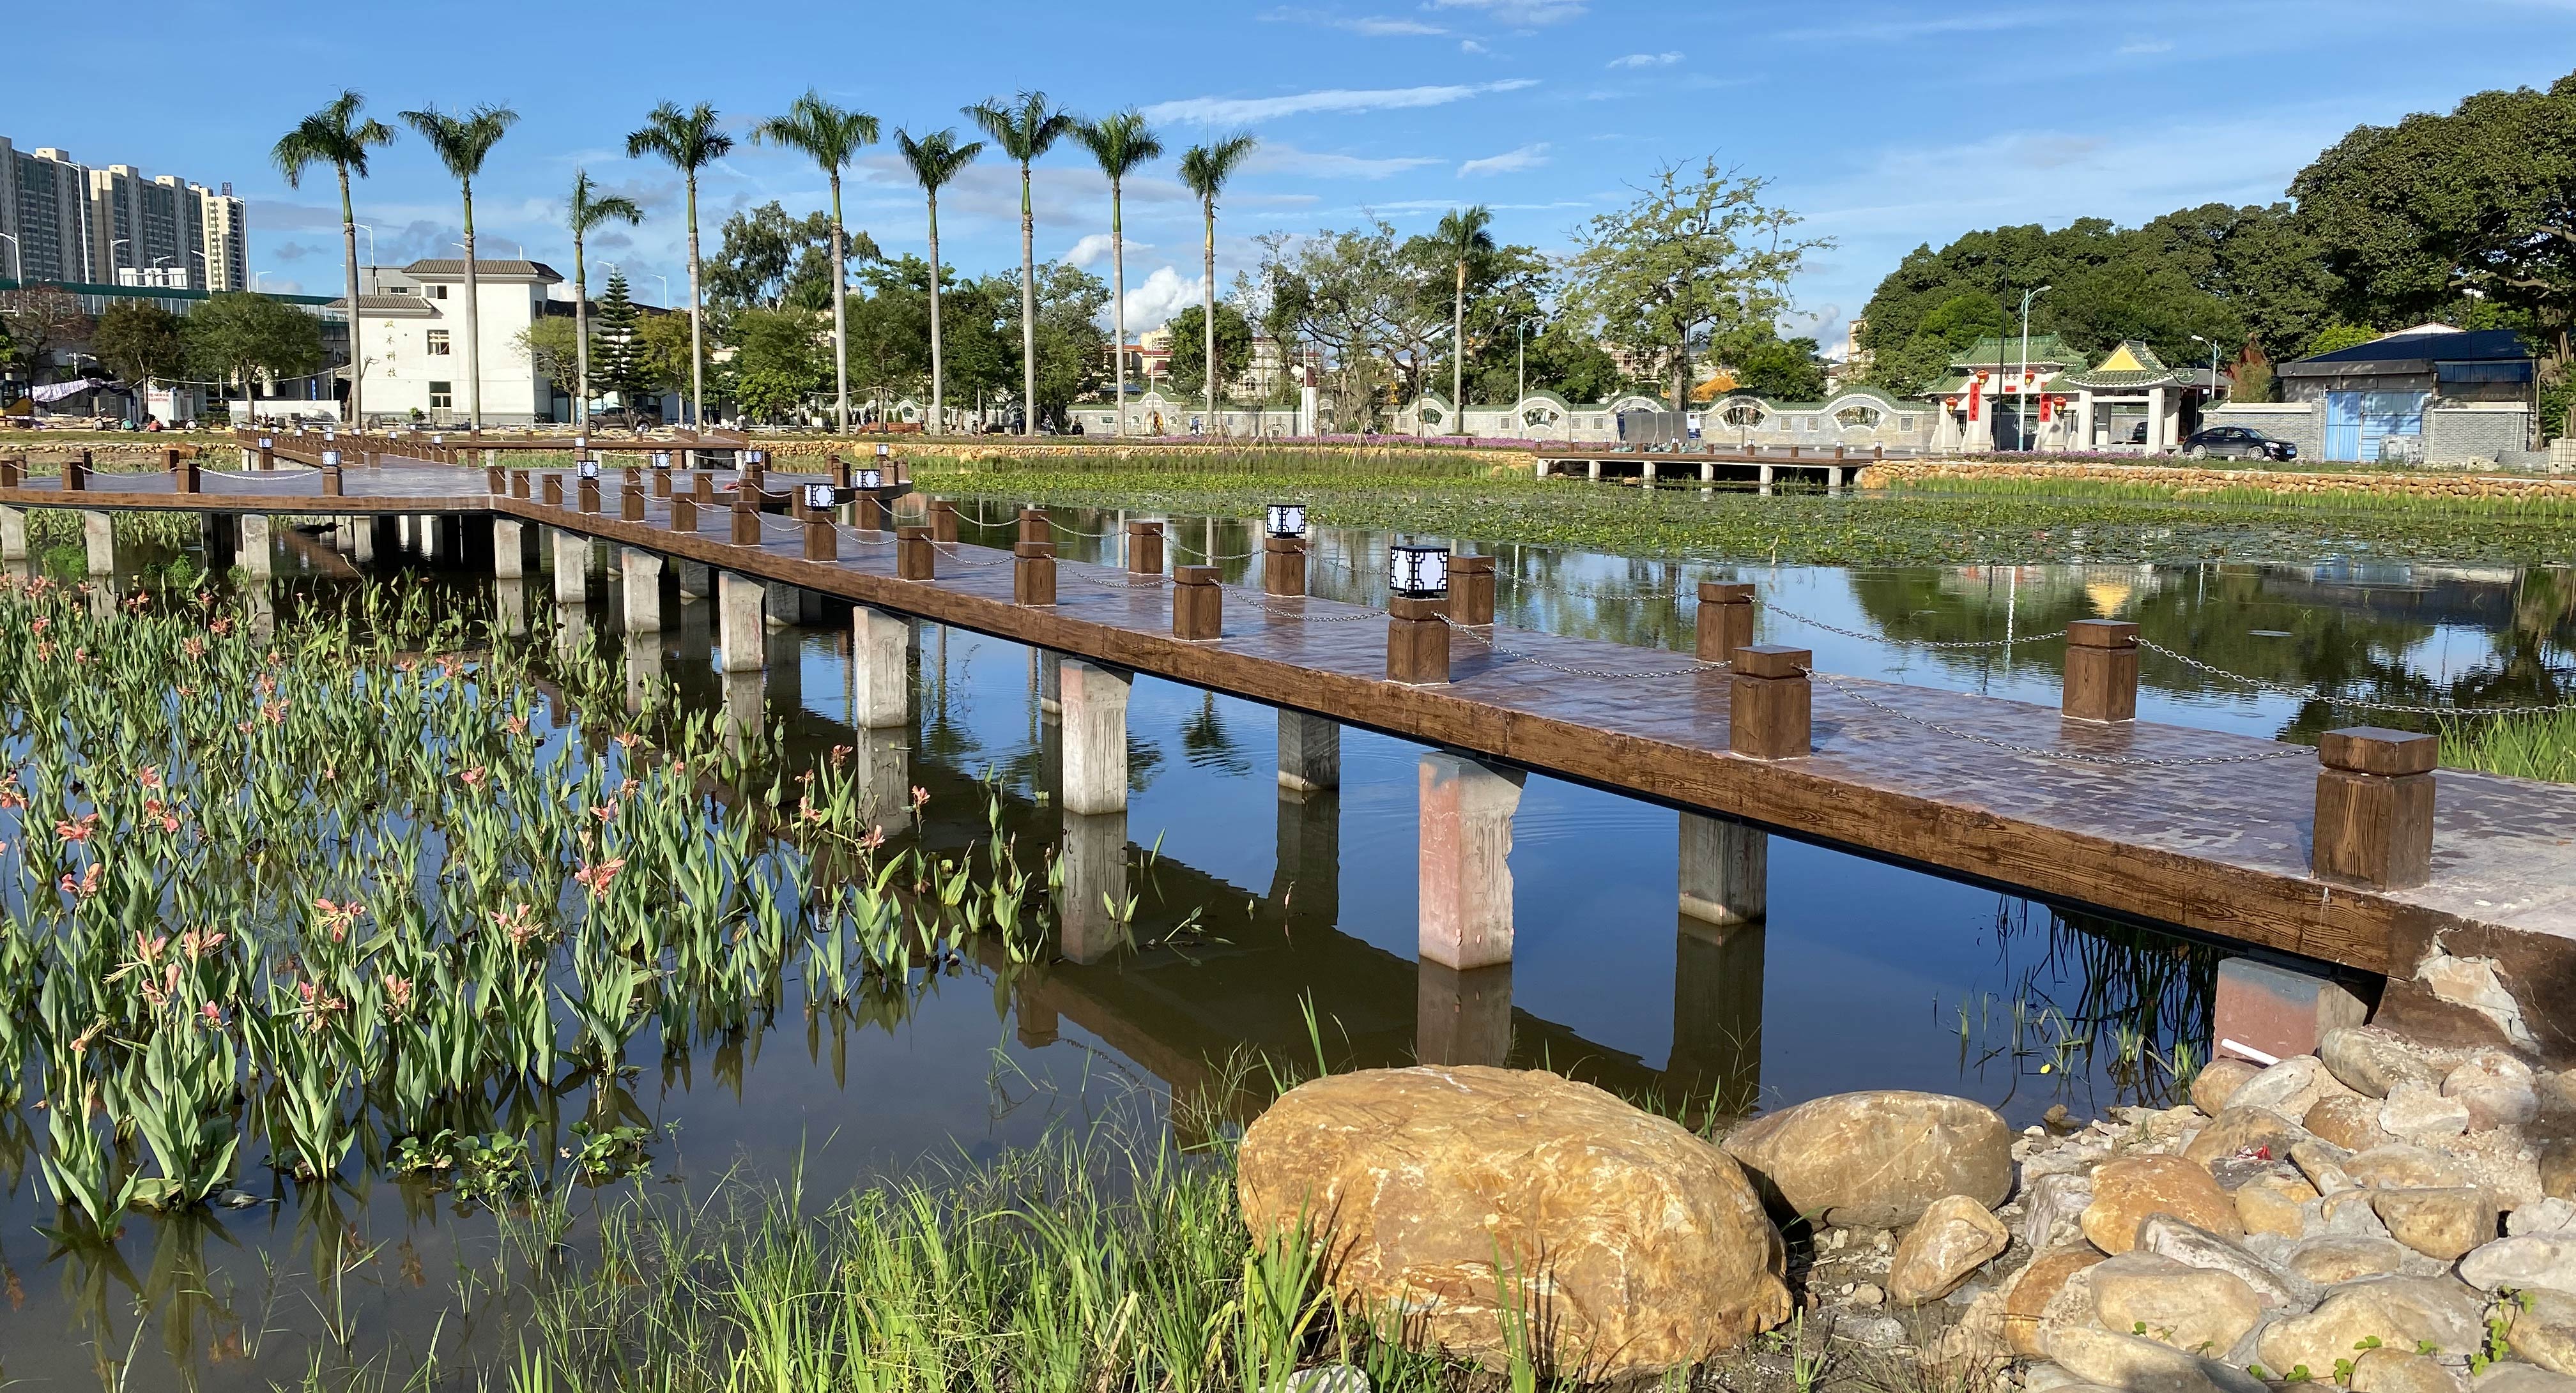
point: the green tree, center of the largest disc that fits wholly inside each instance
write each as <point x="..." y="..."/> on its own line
<point x="1205" y="170"/>
<point x="2336" y="337"/>
<point x="689" y="141"/>
<point x="935" y="159"/>
<point x="462" y="143"/>
<point x="1025" y="128"/>
<point x="1464" y="238"/>
<point x="832" y="137"/>
<point x="1768" y="365"/>
<point x="1690" y="257"/>
<point x="1069" y="340"/>
<point x="138" y="341"/>
<point x="236" y="335"/>
<point x="889" y="337"/>
<point x="584" y="211"/>
<point x="337" y="137"/>
<point x="616" y="355"/>
<point x="43" y="319"/>
<point x="553" y="346"/>
<point x="666" y="354"/>
<point x="765" y="259"/>
<point x="1120" y="142"/>
<point x="778" y="359"/>
<point x="1233" y="339"/>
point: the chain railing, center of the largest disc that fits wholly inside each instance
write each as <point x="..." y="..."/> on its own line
<point x="2306" y="694"/>
<point x="2042" y="752"/>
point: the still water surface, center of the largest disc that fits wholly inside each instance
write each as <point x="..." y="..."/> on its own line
<point x="1256" y="914"/>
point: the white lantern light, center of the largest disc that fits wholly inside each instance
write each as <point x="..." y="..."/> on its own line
<point x="871" y="478"/>
<point x="439" y="438"/>
<point x="588" y="469"/>
<point x="330" y="459"/>
<point x="268" y="442"/>
<point x="661" y="459"/>
<point x="581" y="442"/>
<point x="821" y="496"/>
<point x="329" y="434"/>
<point x="1418" y="570"/>
<point x="883" y="450"/>
<point x="1287" y="519"/>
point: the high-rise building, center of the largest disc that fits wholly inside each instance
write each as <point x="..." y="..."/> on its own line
<point x="114" y="226"/>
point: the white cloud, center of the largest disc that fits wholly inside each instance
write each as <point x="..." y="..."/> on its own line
<point x="1093" y="247"/>
<point x="1340" y="100"/>
<point x="1375" y="26"/>
<point x="1888" y="30"/>
<point x="1471" y="46"/>
<point x="1646" y="60"/>
<point x="1163" y="295"/>
<point x="1276" y="158"/>
<point x="1508" y="162"/>
<point x="1519" y="14"/>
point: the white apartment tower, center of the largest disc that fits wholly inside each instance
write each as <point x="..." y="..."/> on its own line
<point x="114" y="226"/>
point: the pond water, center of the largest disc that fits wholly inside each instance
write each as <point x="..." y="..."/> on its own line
<point x="1287" y="926"/>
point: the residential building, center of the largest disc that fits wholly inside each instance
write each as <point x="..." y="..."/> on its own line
<point x="71" y="224"/>
<point x="45" y="215"/>
<point x="412" y="350"/>
<point x="2432" y="393"/>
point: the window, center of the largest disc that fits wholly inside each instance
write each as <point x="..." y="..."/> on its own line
<point x="438" y="292"/>
<point x="442" y="395"/>
<point x="1743" y="413"/>
<point x="1857" y="417"/>
<point x="438" y="343"/>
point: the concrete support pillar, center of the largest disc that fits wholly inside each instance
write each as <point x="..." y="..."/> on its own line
<point x="880" y="670"/>
<point x="1094" y="879"/>
<point x="1717" y="1015"/>
<point x="644" y="675"/>
<point x="1762" y="478"/>
<point x="882" y="774"/>
<point x="1465" y="889"/>
<point x="572" y="568"/>
<point x="2267" y="1013"/>
<point x="1095" y="738"/>
<point x="742" y="639"/>
<point x="1310" y="754"/>
<point x="697" y="580"/>
<point x="510" y="605"/>
<point x="745" y="715"/>
<point x="344" y="535"/>
<point x="1462" y="1016"/>
<point x="643" y="577"/>
<point x="98" y="531"/>
<point x="252" y="552"/>
<point x="1050" y="686"/>
<point x="2158" y="437"/>
<point x="1725" y="870"/>
<point x="13" y="534"/>
<point x="509" y="549"/>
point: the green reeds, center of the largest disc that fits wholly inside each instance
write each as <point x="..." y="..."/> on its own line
<point x="2539" y="746"/>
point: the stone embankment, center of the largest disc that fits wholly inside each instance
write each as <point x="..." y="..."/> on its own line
<point x="2379" y="1216"/>
<point x="2186" y="481"/>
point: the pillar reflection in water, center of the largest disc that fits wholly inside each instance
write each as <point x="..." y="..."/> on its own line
<point x="1092" y="902"/>
<point x="510" y="605"/>
<point x="259" y="608"/>
<point x="1462" y="1015"/>
<point x="881" y="773"/>
<point x="745" y="716"/>
<point x="644" y="669"/>
<point x="1717" y="1015"/>
<point x="572" y="626"/>
<point x="1306" y="883"/>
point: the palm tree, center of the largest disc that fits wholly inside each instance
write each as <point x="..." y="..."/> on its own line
<point x="1024" y="130"/>
<point x="935" y="159"/>
<point x="1120" y="142"/>
<point x="690" y="141"/>
<point x="1205" y="168"/>
<point x="461" y="143"/>
<point x="1463" y="238"/>
<point x="832" y="136"/>
<point x="336" y="137"/>
<point x="584" y="212"/>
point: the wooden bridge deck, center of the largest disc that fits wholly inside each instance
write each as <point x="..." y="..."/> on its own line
<point x="2218" y="849"/>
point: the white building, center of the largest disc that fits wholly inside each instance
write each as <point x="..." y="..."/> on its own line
<point x="411" y="336"/>
<point x="70" y="224"/>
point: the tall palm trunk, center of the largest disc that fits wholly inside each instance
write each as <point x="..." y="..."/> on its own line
<point x="473" y="327"/>
<point x="938" y="378"/>
<point x="840" y="306"/>
<point x="697" y="339"/>
<point x="1458" y="356"/>
<point x="580" y="337"/>
<point x="1118" y="294"/>
<point x="357" y="344"/>
<point x="1028" y="308"/>
<point x="1210" y="362"/>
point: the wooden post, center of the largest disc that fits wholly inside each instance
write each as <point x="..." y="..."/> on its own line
<point x="822" y="539"/>
<point x="76" y="473"/>
<point x="943" y="522"/>
<point x="1725" y="619"/>
<point x="496" y="480"/>
<point x="913" y="558"/>
<point x="554" y="491"/>
<point x="684" y="515"/>
<point x="630" y="505"/>
<point x="1033" y="573"/>
<point x="589" y="493"/>
<point x="2374" y="823"/>
<point x="1198" y="606"/>
<point x="268" y="457"/>
<point x="518" y="483"/>
<point x="746" y="521"/>
<point x="330" y="481"/>
<point x="632" y="479"/>
<point x="1145" y="548"/>
<point x="868" y="513"/>
<point x="2101" y="670"/>
<point x="661" y="483"/>
<point x="1471" y="590"/>
<point x="12" y="472"/>
<point x="1417" y="641"/>
<point x="1769" y="707"/>
<point x="706" y="490"/>
<point x="840" y="472"/>
<point x="1035" y="526"/>
<point x="184" y="468"/>
<point x="1283" y="566"/>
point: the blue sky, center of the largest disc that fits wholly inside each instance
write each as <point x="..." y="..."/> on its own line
<point x="1884" y="124"/>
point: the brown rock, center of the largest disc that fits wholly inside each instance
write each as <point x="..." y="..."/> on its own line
<point x="2522" y="1378"/>
<point x="2558" y="1168"/>
<point x="1955" y="1237"/>
<point x="2399" y="1166"/>
<point x="2373" y="1059"/>
<point x="2129" y="1362"/>
<point x="2336" y="1259"/>
<point x="1876" y="1159"/>
<point x="2270" y="1203"/>
<point x="2349" y="1120"/>
<point x="2289" y="1088"/>
<point x="2399" y="1312"/>
<point x="2217" y="1082"/>
<point x="1652" y="1245"/>
<point x="2189" y="1308"/>
<point x="2544" y="1329"/>
<point x="2038" y="1285"/>
<point x="2385" y="1370"/>
<point x="2126" y="1191"/>
<point x="2498" y="1089"/>
<point x="2241" y="1130"/>
<point x="2439" y="1223"/>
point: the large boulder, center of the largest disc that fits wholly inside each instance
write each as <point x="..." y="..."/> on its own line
<point x="2214" y="1087"/>
<point x="2498" y="1090"/>
<point x="1955" y="1237"/>
<point x="2439" y="1223"/>
<point x="2141" y="1365"/>
<point x="1649" y="1244"/>
<point x="2544" y="1329"/>
<point x="2397" y="1312"/>
<point x="2191" y="1308"/>
<point x="1876" y="1160"/>
<point x="2373" y="1059"/>
<point x="2126" y="1191"/>
<point x="2526" y="1260"/>
<point x="2036" y="1287"/>
<point x="2247" y="1131"/>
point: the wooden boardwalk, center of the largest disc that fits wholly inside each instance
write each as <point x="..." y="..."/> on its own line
<point x="2215" y="848"/>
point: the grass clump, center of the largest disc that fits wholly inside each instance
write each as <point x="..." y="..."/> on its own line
<point x="2539" y="746"/>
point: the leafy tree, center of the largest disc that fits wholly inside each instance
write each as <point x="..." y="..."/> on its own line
<point x="463" y="143"/>
<point x="1205" y="170"/>
<point x="553" y="346"/>
<point x="1351" y="294"/>
<point x="42" y="319"/>
<point x="336" y="137"/>
<point x="236" y="335"/>
<point x="2336" y="337"/>
<point x="1464" y="238"/>
<point x="138" y="341"/>
<point x="1689" y="257"/>
<point x="1069" y="340"/>
<point x="582" y="212"/>
<point x="1189" y="346"/>
<point x="1120" y="143"/>
<point x="889" y="333"/>
<point x="1769" y="365"/>
<point x="1025" y="128"/>
<point x="766" y="259"/>
<point x="690" y="141"/>
<point x="780" y="359"/>
<point x="832" y="137"/>
<point x="666" y="357"/>
<point x="935" y="159"/>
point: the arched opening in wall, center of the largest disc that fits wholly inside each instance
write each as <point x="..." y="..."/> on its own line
<point x="1859" y="417"/>
<point x="1539" y="416"/>
<point x="1743" y="415"/>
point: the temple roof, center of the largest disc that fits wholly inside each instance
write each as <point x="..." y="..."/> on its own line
<point x="2046" y="350"/>
<point x="2130" y="365"/>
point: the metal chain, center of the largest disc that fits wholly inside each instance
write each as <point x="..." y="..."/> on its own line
<point x="1267" y="603"/>
<point x="1597" y="674"/>
<point x="1814" y="623"/>
<point x="1137" y="583"/>
<point x="2358" y="703"/>
<point x="2069" y="756"/>
<point x="958" y="554"/>
<point x="249" y="474"/>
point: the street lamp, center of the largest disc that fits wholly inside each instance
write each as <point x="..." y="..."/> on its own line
<point x="1418" y="570"/>
<point x="2021" y="407"/>
<point x="1287" y="519"/>
<point x="371" y="243"/>
<point x="2213" y="362"/>
<point x="17" y="262"/>
<point x="1520" y="347"/>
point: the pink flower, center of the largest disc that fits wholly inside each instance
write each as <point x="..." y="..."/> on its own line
<point x="214" y="1014"/>
<point x="596" y="878"/>
<point x="474" y="777"/>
